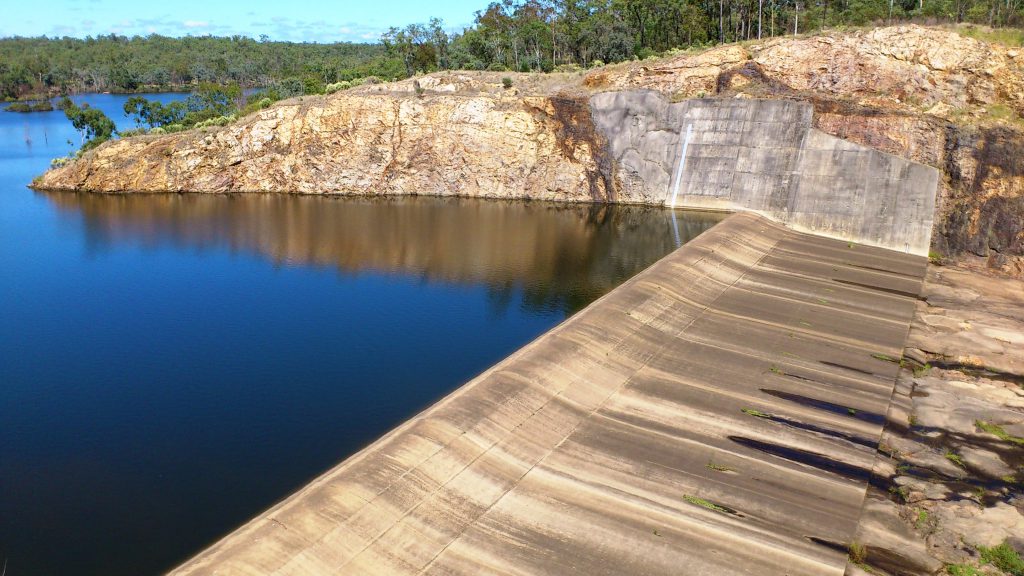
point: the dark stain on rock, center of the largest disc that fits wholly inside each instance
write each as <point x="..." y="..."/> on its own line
<point x="576" y="130"/>
<point x="753" y="72"/>
<point x="978" y="221"/>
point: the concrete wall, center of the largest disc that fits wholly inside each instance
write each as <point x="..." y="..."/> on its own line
<point x="764" y="156"/>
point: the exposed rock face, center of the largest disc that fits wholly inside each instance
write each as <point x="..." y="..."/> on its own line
<point x="906" y="90"/>
<point x="925" y="65"/>
<point x="948" y="476"/>
<point x="929" y="95"/>
<point x="904" y="62"/>
<point x="688" y="76"/>
<point x="537" y="147"/>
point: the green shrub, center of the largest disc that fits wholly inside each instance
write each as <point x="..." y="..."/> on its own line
<point x="312" y="85"/>
<point x="217" y="121"/>
<point x="135" y="132"/>
<point x="336" y="86"/>
<point x="506" y="82"/>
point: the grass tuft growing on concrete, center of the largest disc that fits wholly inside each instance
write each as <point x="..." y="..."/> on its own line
<point x="706" y="504"/>
<point x="858" y="553"/>
<point x="718" y="467"/>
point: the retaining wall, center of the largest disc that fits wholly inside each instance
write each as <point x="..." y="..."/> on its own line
<point x="764" y="156"/>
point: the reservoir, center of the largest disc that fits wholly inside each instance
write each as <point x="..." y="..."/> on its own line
<point x="172" y="365"/>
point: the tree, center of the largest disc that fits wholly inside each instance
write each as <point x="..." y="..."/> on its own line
<point x="415" y="45"/>
<point x="91" y="123"/>
<point x="153" y="113"/>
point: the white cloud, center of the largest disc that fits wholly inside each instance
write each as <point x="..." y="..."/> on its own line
<point x="196" y="24"/>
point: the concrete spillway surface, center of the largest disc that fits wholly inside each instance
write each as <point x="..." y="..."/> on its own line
<point x="717" y="414"/>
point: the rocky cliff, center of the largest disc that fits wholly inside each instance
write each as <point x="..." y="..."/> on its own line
<point x="368" y="143"/>
<point x="926" y="94"/>
<point x="930" y="95"/>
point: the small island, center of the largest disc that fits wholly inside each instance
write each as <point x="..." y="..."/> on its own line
<point x="24" y="107"/>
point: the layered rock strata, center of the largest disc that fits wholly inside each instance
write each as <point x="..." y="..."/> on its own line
<point x="368" y="144"/>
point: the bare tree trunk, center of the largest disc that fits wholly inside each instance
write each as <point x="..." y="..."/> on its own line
<point x="721" y="21"/>
<point x="796" y="19"/>
<point x="760" y="10"/>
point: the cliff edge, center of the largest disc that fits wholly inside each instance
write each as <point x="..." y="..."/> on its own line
<point x="926" y="94"/>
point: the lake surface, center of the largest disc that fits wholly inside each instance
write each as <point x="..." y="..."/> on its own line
<point x="172" y="365"/>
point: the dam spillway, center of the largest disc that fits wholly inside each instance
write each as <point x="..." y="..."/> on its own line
<point x="719" y="412"/>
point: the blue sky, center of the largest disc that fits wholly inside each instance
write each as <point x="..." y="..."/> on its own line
<point x="294" y="20"/>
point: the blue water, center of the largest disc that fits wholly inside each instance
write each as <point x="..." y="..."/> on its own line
<point x="172" y="365"/>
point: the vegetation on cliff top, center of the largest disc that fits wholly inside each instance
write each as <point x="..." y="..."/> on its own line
<point x="517" y="35"/>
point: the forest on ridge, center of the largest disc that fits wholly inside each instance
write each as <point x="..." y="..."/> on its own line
<point x="515" y="35"/>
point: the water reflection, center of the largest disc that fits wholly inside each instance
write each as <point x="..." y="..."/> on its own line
<point x="558" y="256"/>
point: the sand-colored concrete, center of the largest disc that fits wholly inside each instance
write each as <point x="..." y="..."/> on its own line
<point x="717" y="414"/>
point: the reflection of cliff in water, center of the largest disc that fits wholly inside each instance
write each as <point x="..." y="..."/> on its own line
<point x="561" y="256"/>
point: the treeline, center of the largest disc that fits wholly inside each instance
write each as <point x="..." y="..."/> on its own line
<point x="46" y="67"/>
<point x="518" y="35"/>
<point x="543" y="35"/>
